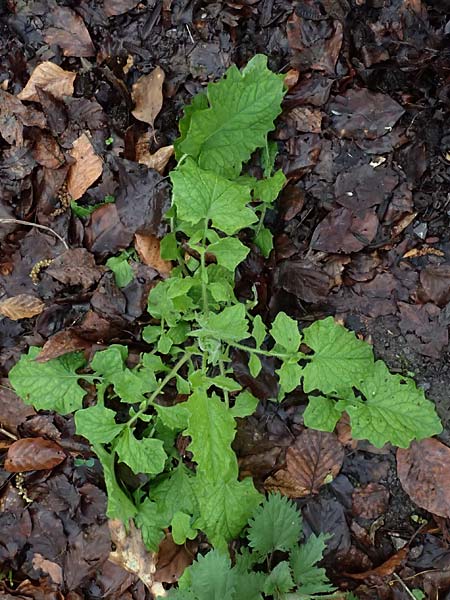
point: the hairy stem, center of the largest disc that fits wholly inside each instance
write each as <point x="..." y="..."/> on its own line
<point x="160" y="388"/>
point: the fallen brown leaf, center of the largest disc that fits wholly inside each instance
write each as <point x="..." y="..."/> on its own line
<point x="173" y="559"/>
<point x="52" y="79"/>
<point x="61" y="343"/>
<point x="69" y="32"/>
<point x="314" y="457"/>
<point x="23" y="306"/>
<point x="14" y="115"/>
<point x="118" y="7"/>
<point x="384" y="570"/>
<point x="76" y="267"/>
<point x="47" y="152"/>
<point x="33" y="454"/>
<point x="424" y="472"/>
<point x="48" y="567"/>
<point x="87" y="167"/>
<point x="371" y="501"/>
<point x="291" y="78"/>
<point x="147" y="96"/>
<point x="158" y="160"/>
<point x="131" y="554"/>
<point x="148" y="248"/>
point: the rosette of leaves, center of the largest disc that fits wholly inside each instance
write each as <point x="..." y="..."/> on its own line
<point x="184" y="384"/>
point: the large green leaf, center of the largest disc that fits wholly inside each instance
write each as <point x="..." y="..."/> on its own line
<point x="203" y="196"/>
<point x="225" y="507"/>
<point x="119" y="505"/>
<point x="339" y="361"/>
<point x="285" y="332"/>
<point x="394" y="410"/>
<point x="97" y="424"/>
<point x="142" y="456"/>
<point x="212" y="430"/>
<point x="52" y="385"/>
<point x="151" y="521"/>
<point x="242" y="110"/>
<point x="228" y="325"/>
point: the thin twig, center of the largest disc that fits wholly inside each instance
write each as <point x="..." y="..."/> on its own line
<point x="404" y="586"/>
<point x="8" y="434"/>
<point x="19" y="222"/>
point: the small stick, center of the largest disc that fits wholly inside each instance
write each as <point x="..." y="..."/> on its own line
<point x="19" y="222"/>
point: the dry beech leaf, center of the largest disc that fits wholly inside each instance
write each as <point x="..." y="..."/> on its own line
<point x="158" y="160"/>
<point x="291" y="78"/>
<point x="49" y="567"/>
<point x="118" y="7"/>
<point x="386" y="569"/>
<point x="131" y="554"/>
<point x="61" y="343"/>
<point x="314" y="458"/>
<point x="371" y="501"/>
<point x="148" y="248"/>
<point x="22" y="306"/>
<point x="424" y="472"/>
<point x="52" y="79"/>
<point x="173" y="559"/>
<point x="69" y="32"/>
<point x="33" y="454"/>
<point x="47" y="152"/>
<point x="87" y="167"/>
<point x="147" y="96"/>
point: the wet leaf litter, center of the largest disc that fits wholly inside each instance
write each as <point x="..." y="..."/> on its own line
<point x="368" y="174"/>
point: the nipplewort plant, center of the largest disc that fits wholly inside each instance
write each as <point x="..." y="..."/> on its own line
<point x="185" y="384"/>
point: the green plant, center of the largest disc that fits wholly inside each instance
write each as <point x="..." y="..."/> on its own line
<point x="85" y="211"/>
<point x="120" y="266"/>
<point x="274" y="530"/>
<point x="185" y="385"/>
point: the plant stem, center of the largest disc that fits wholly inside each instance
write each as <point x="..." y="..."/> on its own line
<point x="225" y="392"/>
<point x="161" y="386"/>
<point x="263" y="352"/>
<point x="204" y="274"/>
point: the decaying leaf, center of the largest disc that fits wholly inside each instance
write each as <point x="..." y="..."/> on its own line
<point x="47" y="152"/>
<point x="131" y="554"/>
<point x="147" y="96"/>
<point x="424" y="472"/>
<point x="148" y="248"/>
<point x="314" y="460"/>
<point x="61" y="343"/>
<point x="69" y="32"/>
<point x="173" y="559"/>
<point x="52" y="79"/>
<point x="33" y="454"/>
<point x="158" y="160"/>
<point x="87" y="167"/>
<point x="49" y="567"/>
<point x="384" y="570"/>
<point x="118" y="7"/>
<point x="23" y="306"/>
<point x="371" y="501"/>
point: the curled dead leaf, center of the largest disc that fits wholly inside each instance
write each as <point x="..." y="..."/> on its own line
<point x="158" y="160"/>
<point x="33" y="454"/>
<point x="87" y="167"/>
<point x="424" y="472"/>
<point x="386" y="569"/>
<point x="131" y="554"/>
<point x="314" y="460"/>
<point x="52" y="79"/>
<point x="147" y="96"/>
<point x="148" y="248"/>
<point x="23" y="306"/>
<point x="47" y="566"/>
